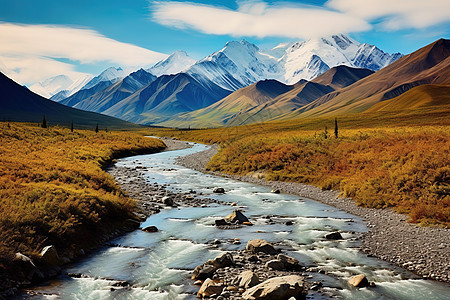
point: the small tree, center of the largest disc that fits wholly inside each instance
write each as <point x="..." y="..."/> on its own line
<point x="96" y="128"/>
<point x="336" y="130"/>
<point x="44" y="122"/>
<point x="71" y="126"/>
<point x="325" y="133"/>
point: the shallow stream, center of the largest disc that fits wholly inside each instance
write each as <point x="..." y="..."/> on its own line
<point x="158" y="264"/>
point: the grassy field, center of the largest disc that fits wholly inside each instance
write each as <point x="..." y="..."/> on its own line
<point x="399" y="160"/>
<point x="53" y="189"/>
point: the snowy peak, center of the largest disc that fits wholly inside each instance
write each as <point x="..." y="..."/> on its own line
<point x="301" y="60"/>
<point x="111" y="74"/>
<point x="177" y="62"/>
<point x="60" y="83"/>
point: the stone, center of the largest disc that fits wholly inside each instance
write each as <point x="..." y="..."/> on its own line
<point x="275" y="191"/>
<point x="289" y="262"/>
<point x="247" y="223"/>
<point x="274" y="264"/>
<point x="221" y="222"/>
<point x="236" y="216"/>
<point x="289" y="223"/>
<point x="222" y="261"/>
<point x="233" y="204"/>
<point x="27" y="267"/>
<point x="258" y="245"/>
<point x="50" y="255"/>
<point x="203" y="272"/>
<point x="253" y="258"/>
<point x="247" y="279"/>
<point x="333" y="236"/>
<point x="167" y="201"/>
<point x="359" y="281"/>
<point x="219" y="190"/>
<point x="198" y="282"/>
<point x="277" y="288"/>
<point x="209" y="288"/>
<point x="150" y="229"/>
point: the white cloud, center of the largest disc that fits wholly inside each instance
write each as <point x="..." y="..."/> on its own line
<point x="257" y="18"/>
<point x="28" y="52"/>
<point x="397" y="14"/>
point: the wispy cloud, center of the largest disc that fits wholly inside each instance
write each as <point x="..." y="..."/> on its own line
<point x="257" y="18"/>
<point x="32" y="52"/>
<point x="398" y="14"/>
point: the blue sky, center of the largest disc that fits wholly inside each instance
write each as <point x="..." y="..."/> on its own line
<point x="37" y="39"/>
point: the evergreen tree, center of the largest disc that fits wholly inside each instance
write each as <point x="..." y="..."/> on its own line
<point x="71" y="126"/>
<point x="336" y="130"/>
<point x="44" y="122"/>
<point x="325" y="133"/>
<point x="96" y="128"/>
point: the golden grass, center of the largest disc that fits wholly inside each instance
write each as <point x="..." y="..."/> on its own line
<point x="53" y="189"/>
<point x="379" y="160"/>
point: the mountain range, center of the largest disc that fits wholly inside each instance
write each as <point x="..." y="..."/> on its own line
<point x="236" y="65"/>
<point x="241" y="84"/>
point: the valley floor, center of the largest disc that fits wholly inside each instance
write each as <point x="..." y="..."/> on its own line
<point x="422" y="250"/>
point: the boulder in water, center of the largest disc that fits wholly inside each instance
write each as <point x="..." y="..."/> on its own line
<point x="221" y="222"/>
<point x="219" y="190"/>
<point x="258" y="245"/>
<point x="275" y="191"/>
<point x="333" y="236"/>
<point x="150" y="229"/>
<point x="359" y="281"/>
<point x="236" y="216"/>
<point x="277" y="288"/>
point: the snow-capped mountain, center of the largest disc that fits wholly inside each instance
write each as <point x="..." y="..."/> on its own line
<point x="174" y="64"/>
<point x="309" y="59"/>
<point x="56" y="84"/>
<point x="236" y="65"/>
<point x="288" y="62"/>
<point x="111" y="74"/>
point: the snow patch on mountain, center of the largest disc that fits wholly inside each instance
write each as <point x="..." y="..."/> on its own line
<point x="111" y="74"/>
<point x="57" y="84"/>
<point x="174" y="64"/>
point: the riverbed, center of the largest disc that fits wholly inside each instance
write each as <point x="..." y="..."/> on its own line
<point x="142" y="265"/>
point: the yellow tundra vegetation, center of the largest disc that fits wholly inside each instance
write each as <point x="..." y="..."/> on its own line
<point x="53" y="189"/>
<point x="407" y="167"/>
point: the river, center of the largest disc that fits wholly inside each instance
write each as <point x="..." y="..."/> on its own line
<point x="158" y="265"/>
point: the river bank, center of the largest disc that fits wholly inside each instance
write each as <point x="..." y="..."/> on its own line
<point x="423" y="250"/>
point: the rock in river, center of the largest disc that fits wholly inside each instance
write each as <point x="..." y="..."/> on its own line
<point x="277" y="288"/>
<point x="219" y="190"/>
<point x="259" y="245"/>
<point x="150" y="229"/>
<point x="359" y="281"/>
<point x="236" y="216"/>
<point x="333" y="236"/>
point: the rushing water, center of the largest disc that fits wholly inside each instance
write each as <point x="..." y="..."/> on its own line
<point x="158" y="264"/>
